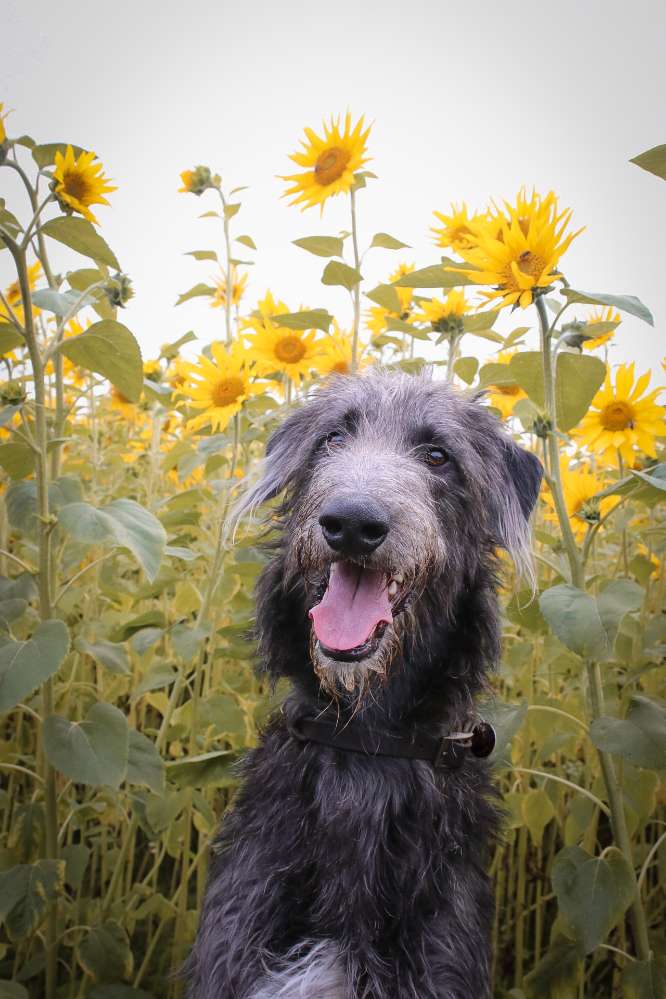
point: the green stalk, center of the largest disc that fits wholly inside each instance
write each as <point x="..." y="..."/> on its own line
<point x="613" y="789"/>
<point x="44" y="583"/>
<point x="227" y="271"/>
<point x="356" y="293"/>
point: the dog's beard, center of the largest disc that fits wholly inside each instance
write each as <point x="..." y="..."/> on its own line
<point x="339" y="677"/>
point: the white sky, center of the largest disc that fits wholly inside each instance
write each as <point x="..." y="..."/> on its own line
<point x="468" y="101"/>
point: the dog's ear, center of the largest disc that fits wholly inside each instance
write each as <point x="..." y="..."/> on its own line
<point x="517" y="491"/>
<point x="287" y="453"/>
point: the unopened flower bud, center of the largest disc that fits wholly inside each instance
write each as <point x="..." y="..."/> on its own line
<point x="12" y="394"/>
<point x="118" y="290"/>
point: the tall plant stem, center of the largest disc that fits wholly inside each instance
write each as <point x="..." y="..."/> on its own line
<point x="227" y="270"/>
<point x="44" y="577"/>
<point x="613" y="789"/>
<point x="356" y="293"/>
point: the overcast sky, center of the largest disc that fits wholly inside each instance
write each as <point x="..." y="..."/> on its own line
<point x="468" y="101"/>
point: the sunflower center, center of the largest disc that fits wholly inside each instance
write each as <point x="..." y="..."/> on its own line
<point x="227" y="391"/>
<point x="506" y="389"/>
<point x="76" y="186"/>
<point x="289" y="349"/>
<point x="531" y="263"/>
<point x="330" y="165"/>
<point x="617" y="416"/>
<point x="340" y="368"/>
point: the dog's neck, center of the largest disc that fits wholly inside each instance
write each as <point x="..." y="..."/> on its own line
<point x="433" y="680"/>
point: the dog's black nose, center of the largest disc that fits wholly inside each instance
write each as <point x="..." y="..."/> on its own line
<point x="353" y="526"/>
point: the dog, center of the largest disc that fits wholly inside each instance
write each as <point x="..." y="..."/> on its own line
<point x="352" y="864"/>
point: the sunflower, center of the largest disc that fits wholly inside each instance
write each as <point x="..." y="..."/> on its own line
<point x="446" y="316"/>
<point x="121" y="404"/>
<point x="177" y="373"/>
<point x="78" y="182"/>
<point x="13" y="295"/>
<point x="608" y="315"/>
<point x="505" y="397"/>
<point x="621" y="418"/>
<point x="196" y="181"/>
<point x="580" y="486"/>
<point x="329" y="162"/>
<point x="218" y="387"/>
<point x="294" y="353"/>
<point x="238" y="282"/>
<point x="457" y="231"/>
<point x="518" y="250"/>
<point x="404" y="294"/>
<point x="152" y="370"/>
<point x="336" y="353"/>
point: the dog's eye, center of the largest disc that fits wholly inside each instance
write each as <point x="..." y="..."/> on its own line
<point x="436" y="456"/>
<point x="335" y="439"/>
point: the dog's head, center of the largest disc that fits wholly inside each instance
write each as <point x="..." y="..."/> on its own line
<point x="396" y="492"/>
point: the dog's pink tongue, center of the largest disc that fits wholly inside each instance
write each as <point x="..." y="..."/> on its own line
<point x="355" y="602"/>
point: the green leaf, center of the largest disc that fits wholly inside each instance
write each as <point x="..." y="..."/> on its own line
<point x="17" y="459"/>
<point x="639" y="738"/>
<point x="12" y="990"/>
<point x="246" y="241"/>
<point x="593" y="893"/>
<point x="646" y="486"/>
<point x="321" y="246"/>
<point x="157" y="678"/>
<point x="573" y="616"/>
<point x="26" y="892"/>
<point x="480" y="321"/>
<point x="386" y="296"/>
<point x="144" y="764"/>
<point x="112" y="655"/>
<point x="653" y="160"/>
<point x="61" y="303"/>
<point x="318" y="319"/>
<point x="506" y="719"/>
<point x="644" y="979"/>
<point x="400" y="326"/>
<point x="171" y="350"/>
<point x="387" y="242"/>
<point x="93" y="751"/>
<point x="338" y="273"/>
<point x="445" y="275"/>
<point x="10" y="338"/>
<point x="123" y="522"/>
<point x="202" y="254"/>
<point x="24" y="665"/>
<point x="45" y="153"/>
<point x="109" y="349"/>
<point x="626" y="303"/>
<point x="77" y="858"/>
<point x="579" y="377"/>
<point x="231" y="210"/>
<point x="619" y="597"/>
<point x="105" y="954"/>
<point x="556" y="974"/>
<point x="537" y="810"/>
<point x="215" y="767"/>
<point x="80" y="235"/>
<point x="197" y="291"/>
<point x="149" y="619"/>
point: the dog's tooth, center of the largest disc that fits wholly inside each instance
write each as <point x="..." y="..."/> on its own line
<point x="392" y="588"/>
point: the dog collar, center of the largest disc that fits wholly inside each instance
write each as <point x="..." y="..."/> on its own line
<point x="446" y="752"/>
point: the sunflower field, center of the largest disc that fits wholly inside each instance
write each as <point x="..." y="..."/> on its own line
<point x="127" y="691"/>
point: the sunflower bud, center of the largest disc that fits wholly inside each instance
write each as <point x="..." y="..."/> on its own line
<point x="449" y="326"/>
<point x="198" y="180"/>
<point x="12" y="394"/>
<point x="541" y="426"/>
<point x="573" y="334"/>
<point x="118" y="289"/>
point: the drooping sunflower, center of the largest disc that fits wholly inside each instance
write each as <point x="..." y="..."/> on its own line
<point x="518" y="250"/>
<point x="218" y="386"/>
<point x="238" y="283"/>
<point x="196" y="181"/>
<point x="329" y="162"/>
<point x="13" y="295"/>
<point x="78" y="183"/>
<point x="505" y="397"/>
<point x="622" y="418"/>
<point x="446" y="316"/>
<point x="457" y="231"/>
<point x="294" y="353"/>
<point x="580" y="486"/>
<point x="608" y="315"/>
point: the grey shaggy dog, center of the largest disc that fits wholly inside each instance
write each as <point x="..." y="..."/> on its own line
<point x="344" y="875"/>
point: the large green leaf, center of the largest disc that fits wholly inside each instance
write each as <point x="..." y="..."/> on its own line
<point x="573" y="616"/>
<point x="644" y="979"/>
<point x="653" y="160"/>
<point x="17" y="459"/>
<point x="112" y="655"/>
<point x="338" y="273"/>
<point x="215" y="767"/>
<point x="619" y="597"/>
<point x="197" y="291"/>
<point x="556" y="974"/>
<point x="144" y="764"/>
<point x="318" y="319"/>
<point x="579" y="377"/>
<point x="108" y="348"/>
<point x="122" y="522"/>
<point x="593" y="893"/>
<point x="10" y="338"/>
<point x="386" y="296"/>
<point x="60" y="303"/>
<point x="80" y="235"/>
<point x="25" y="894"/>
<point x="626" y="303"/>
<point x="639" y="738"/>
<point x="44" y="154"/>
<point x="105" y="953"/>
<point x="437" y="276"/>
<point x="321" y="246"/>
<point x="93" y="751"/>
<point x="386" y="242"/>
<point x="24" y="665"/>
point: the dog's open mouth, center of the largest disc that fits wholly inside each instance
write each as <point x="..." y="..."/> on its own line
<point x="355" y="610"/>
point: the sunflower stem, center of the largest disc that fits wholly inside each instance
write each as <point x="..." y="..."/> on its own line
<point x="595" y="685"/>
<point x="227" y="249"/>
<point x="356" y="293"/>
